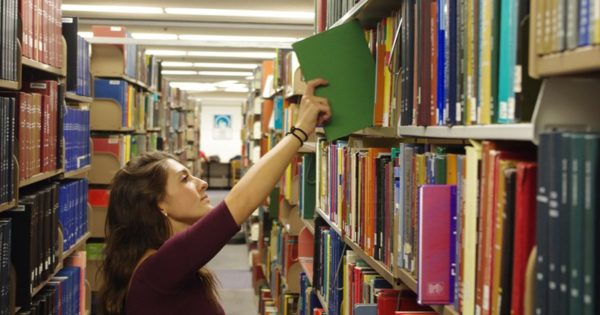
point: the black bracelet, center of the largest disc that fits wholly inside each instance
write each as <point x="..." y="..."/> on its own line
<point x="302" y="131"/>
<point x="297" y="137"/>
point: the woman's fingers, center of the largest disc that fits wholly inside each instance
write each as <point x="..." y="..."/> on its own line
<point x="312" y="84"/>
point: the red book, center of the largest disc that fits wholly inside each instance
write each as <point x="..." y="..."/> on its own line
<point x="321" y="22"/>
<point x="318" y="311"/>
<point x="437" y="206"/>
<point x="98" y="197"/>
<point x="387" y="300"/>
<point x="524" y="239"/>
<point x="110" y="145"/>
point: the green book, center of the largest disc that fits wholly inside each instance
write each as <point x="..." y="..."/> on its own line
<point x="341" y="56"/>
<point x="274" y="203"/>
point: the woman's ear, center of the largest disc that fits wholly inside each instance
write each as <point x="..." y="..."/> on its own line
<point x="162" y="206"/>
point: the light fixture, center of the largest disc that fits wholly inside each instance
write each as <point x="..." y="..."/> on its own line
<point x="237" y="89"/>
<point x="111" y="9"/>
<point x="233" y="54"/>
<point x="159" y="52"/>
<point x="296" y="15"/>
<point x="228" y="38"/>
<point x="178" y="72"/>
<point x="86" y="34"/>
<point x="224" y="73"/>
<point x="225" y="65"/>
<point x="225" y="83"/>
<point x="177" y="64"/>
<point x="154" y="36"/>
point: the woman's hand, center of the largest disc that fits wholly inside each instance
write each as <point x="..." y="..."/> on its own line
<point x="314" y="110"/>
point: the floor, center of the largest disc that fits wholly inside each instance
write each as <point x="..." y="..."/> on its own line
<point x="232" y="269"/>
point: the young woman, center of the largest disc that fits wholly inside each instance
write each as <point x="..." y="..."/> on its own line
<point x="162" y="230"/>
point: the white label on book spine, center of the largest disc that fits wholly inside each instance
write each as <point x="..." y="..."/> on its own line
<point x="113" y="140"/>
<point x="114" y="82"/>
<point x="37" y="85"/>
<point x="67" y="20"/>
<point x="115" y="28"/>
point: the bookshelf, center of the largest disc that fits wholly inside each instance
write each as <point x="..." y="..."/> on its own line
<point x="33" y="64"/>
<point x="78" y="173"/>
<point x="40" y="177"/>
<point x="517" y="132"/>
<point x="10" y="85"/>
<point x="72" y="97"/>
<point x="8" y="205"/>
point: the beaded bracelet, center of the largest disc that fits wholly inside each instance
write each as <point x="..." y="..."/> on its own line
<point x="293" y="129"/>
<point x="295" y="135"/>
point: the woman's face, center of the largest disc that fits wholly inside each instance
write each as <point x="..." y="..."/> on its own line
<point x="185" y="199"/>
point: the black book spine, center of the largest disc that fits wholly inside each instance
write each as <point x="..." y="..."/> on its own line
<point x="542" y="222"/>
<point x="21" y="249"/>
<point x="507" y="241"/>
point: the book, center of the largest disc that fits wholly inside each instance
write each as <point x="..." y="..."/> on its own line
<point x="437" y="207"/>
<point x="341" y="56"/>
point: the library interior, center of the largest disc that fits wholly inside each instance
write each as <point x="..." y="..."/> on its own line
<point x="458" y="173"/>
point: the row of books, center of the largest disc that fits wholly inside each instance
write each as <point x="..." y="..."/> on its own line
<point x="329" y="251"/>
<point x="116" y="145"/>
<point x="5" y="257"/>
<point x="34" y="238"/>
<point x="62" y="295"/>
<point x="308" y="299"/>
<point x="7" y="149"/>
<point x="9" y="58"/>
<point x="41" y="31"/>
<point x="72" y="210"/>
<point x="40" y="127"/>
<point x="567" y="275"/>
<point x="329" y="11"/>
<point x="78" y="61"/>
<point x="385" y="217"/>
<point x="565" y="25"/>
<point x="465" y="63"/>
<point x="307" y="180"/>
<point x="76" y="132"/>
<point x="123" y="93"/>
<point x="129" y="52"/>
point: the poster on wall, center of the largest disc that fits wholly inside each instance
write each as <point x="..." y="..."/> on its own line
<point x="222" y="129"/>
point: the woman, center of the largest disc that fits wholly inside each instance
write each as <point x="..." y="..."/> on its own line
<point x="162" y="230"/>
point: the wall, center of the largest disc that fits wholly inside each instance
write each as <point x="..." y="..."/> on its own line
<point x="224" y="142"/>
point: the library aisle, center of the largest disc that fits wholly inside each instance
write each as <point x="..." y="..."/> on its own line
<point x="231" y="268"/>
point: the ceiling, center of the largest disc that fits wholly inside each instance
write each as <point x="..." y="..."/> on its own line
<point x="220" y="26"/>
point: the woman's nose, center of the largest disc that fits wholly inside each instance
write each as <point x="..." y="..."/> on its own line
<point x="202" y="185"/>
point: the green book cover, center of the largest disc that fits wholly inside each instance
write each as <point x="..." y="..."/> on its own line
<point x="341" y="56"/>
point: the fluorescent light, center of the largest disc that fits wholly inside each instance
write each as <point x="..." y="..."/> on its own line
<point x="250" y="78"/>
<point x="111" y="9"/>
<point x="159" y="52"/>
<point x="233" y="54"/>
<point x="226" y="38"/>
<point x="198" y="88"/>
<point x="224" y="73"/>
<point x="178" y="72"/>
<point x="154" y="36"/>
<point x="225" y="83"/>
<point x="237" y="89"/>
<point x="225" y="65"/>
<point x="243" y="13"/>
<point x="86" y="34"/>
<point x="175" y="64"/>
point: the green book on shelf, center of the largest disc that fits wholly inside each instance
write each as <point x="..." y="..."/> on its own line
<point x="341" y="56"/>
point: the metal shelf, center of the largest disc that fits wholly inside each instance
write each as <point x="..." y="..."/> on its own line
<point x="520" y="132"/>
<point x="580" y="60"/>
<point x="369" y="12"/>
<point x="331" y="224"/>
<point x="42" y="66"/>
<point x="70" y="96"/>
<point x="78" y="172"/>
<point x="11" y="85"/>
<point x="40" y="177"/>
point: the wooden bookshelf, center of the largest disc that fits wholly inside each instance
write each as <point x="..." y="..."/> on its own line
<point x="520" y="132"/>
<point x="154" y="129"/>
<point x="580" y="60"/>
<point x="8" y="205"/>
<point x="40" y="177"/>
<point x="307" y="267"/>
<point x="375" y="264"/>
<point x="42" y="66"/>
<point x="38" y="288"/>
<point x="78" y="173"/>
<point x="325" y="217"/>
<point x="123" y="77"/>
<point x="380" y="132"/>
<point x="369" y="12"/>
<point x="81" y="241"/>
<point x="70" y="96"/>
<point x="11" y="85"/>
<point x="310" y="225"/>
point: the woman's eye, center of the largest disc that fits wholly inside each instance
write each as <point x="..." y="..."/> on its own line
<point x="186" y="178"/>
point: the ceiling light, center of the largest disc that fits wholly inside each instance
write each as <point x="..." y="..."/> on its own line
<point x="174" y="64"/>
<point x="225" y="65"/>
<point x="237" y="89"/>
<point x="225" y="38"/>
<point x="178" y="72"/>
<point x="158" y="52"/>
<point x="111" y="9"/>
<point x="225" y="83"/>
<point x="243" y="13"/>
<point x="86" y="34"/>
<point x="225" y="73"/>
<point x="153" y="36"/>
<point x="233" y="54"/>
<point x="249" y="77"/>
<point x="198" y="88"/>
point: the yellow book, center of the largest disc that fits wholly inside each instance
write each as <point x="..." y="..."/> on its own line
<point x="387" y="76"/>
<point x="473" y="157"/>
<point x="340" y="191"/>
<point x="471" y="58"/>
<point x="485" y="72"/>
<point x="451" y="169"/>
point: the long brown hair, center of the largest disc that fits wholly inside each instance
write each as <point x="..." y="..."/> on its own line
<point x="134" y="225"/>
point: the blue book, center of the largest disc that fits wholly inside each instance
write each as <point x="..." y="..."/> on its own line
<point x="365" y="309"/>
<point x="116" y="90"/>
<point x="443" y="56"/>
<point x="506" y="61"/>
<point x="584" y="22"/>
<point x="452" y="39"/>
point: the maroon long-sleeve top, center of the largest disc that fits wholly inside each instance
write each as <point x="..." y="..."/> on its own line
<point x="167" y="281"/>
